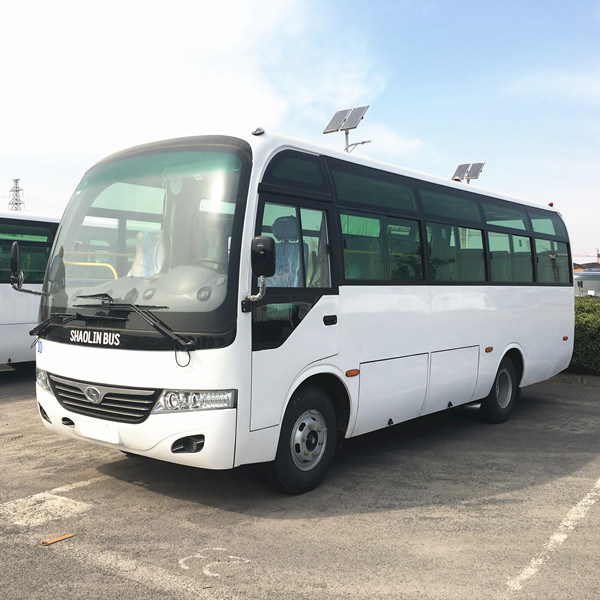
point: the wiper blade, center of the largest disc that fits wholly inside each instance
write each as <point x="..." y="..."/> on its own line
<point x="159" y="325"/>
<point x="42" y="327"/>
<point x="143" y="310"/>
<point x="100" y="296"/>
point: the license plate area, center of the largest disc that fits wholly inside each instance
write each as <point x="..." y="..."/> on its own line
<point x="99" y="430"/>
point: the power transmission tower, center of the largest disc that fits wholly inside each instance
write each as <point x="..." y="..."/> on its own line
<point x="15" y="202"/>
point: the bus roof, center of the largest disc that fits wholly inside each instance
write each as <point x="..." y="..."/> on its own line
<point x="265" y="145"/>
<point x="30" y="216"/>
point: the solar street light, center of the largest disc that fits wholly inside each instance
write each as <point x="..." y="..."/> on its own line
<point x="345" y="120"/>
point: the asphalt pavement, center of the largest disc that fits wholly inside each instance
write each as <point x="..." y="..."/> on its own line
<point x="443" y="507"/>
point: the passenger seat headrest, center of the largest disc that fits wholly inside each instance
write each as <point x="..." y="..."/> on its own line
<point x="286" y="229"/>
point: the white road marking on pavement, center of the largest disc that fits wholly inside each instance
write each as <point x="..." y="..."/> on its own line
<point x="78" y="484"/>
<point x="208" y="569"/>
<point x="41" y="508"/>
<point x="575" y="515"/>
<point x="47" y="506"/>
<point x="150" y="576"/>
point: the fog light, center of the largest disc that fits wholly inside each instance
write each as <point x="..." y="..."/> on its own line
<point x="190" y="444"/>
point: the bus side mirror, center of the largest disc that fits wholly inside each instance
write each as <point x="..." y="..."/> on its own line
<point x="263" y="256"/>
<point x="16" y="276"/>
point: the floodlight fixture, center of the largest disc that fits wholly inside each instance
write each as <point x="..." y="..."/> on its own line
<point x="345" y="120"/>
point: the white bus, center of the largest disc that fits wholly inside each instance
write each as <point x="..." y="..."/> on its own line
<point x="18" y="315"/>
<point x="261" y="299"/>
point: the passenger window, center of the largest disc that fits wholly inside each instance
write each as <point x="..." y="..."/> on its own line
<point x="503" y="215"/>
<point x="301" y="246"/>
<point x="455" y="253"/>
<point x="552" y="261"/>
<point x="449" y="206"/>
<point x="546" y="222"/>
<point x="510" y="258"/>
<point x="404" y="248"/>
<point x="356" y="184"/>
<point x="314" y="234"/>
<point x="363" y="252"/>
<point x="296" y="170"/>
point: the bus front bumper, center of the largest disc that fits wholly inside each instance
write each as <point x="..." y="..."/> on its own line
<point x="161" y="436"/>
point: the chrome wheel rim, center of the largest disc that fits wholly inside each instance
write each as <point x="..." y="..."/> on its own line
<point x="308" y="440"/>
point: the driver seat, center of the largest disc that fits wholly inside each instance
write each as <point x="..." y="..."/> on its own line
<point x="150" y="254"/>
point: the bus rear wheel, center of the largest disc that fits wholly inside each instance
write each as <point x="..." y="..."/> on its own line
<point x="307" y="442"/>
<point x="497" y="406"/>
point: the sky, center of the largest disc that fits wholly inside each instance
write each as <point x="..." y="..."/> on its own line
<point x="512" y="83"/>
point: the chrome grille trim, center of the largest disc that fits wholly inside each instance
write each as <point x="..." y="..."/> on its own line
<point x="121" y="404"/>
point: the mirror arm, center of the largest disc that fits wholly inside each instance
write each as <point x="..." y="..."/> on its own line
<point x="262" y="288"/>
<point x="17" y="282"/>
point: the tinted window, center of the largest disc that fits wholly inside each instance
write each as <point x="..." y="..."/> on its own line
<point x="449" y="206"/>
<point x="404" y="249"/>
<point x="455" y="253"/>
<point x="547" y="222"/>
<point x="35" y="240"/>
<point x="301" y="246"/>
<point x="363" y="247"/>
<point x="510" y="258"/>
<point x="296" y="170"/>
<point x="504" y="215"/>
<point x="552" y="262"/>
<point x="355" y="184"/>
<point x="381" y="248"/>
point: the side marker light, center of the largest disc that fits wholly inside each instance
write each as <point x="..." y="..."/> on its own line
<point x="489" y="349"/>
<point x="352" y="372"/>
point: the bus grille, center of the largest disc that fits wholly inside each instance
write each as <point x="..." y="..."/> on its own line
<point x="122" y="404"/>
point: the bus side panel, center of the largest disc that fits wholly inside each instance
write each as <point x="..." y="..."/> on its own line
<point x="387" y="322"/>
<point x="17" y="318"/>
<point x="391" y="389"/>
<point x="453" y="375"/>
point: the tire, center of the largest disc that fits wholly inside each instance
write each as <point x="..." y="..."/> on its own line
<point x="307" y="442"/>
<point x="498" y="405"/>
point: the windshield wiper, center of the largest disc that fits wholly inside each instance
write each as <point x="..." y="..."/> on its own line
<point x="143" y="310"/>
<point x="42" y="327"/>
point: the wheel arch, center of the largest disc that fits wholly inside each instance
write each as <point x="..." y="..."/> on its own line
<point x="338" y="394"/>
<point x="516" y="357"/>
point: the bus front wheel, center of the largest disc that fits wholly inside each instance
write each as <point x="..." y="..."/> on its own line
<point x="307" y="442"/>
<point x="501" y="399"/>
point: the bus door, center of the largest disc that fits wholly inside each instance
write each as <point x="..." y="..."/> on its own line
<point x="295" y="324"/>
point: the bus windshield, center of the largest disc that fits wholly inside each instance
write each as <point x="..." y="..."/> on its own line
<point x="159" y="229"/>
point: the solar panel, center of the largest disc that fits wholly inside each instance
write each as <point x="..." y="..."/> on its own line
<point x="475" y="170"/>
<point x="354" y="118"/>
<point x="337" y="120"/>
<point x="461" y="171"/>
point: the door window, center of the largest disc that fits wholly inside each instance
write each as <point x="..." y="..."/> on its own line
<point x="301" y="246"/>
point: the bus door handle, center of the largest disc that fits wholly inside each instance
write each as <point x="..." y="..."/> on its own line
<point x="330" y="319"/>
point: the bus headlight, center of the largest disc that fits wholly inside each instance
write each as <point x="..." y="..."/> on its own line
<point x="185" y="400"/>
<point x="41" y="378"/>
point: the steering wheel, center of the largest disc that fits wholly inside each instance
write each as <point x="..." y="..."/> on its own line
<point x="221" y="264"/>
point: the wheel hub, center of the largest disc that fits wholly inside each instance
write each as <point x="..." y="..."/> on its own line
<point x="308" y="440"/>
